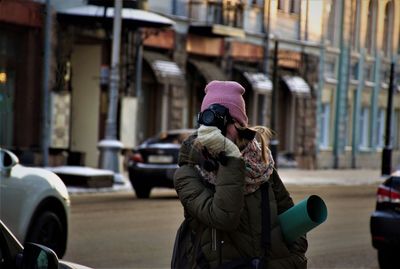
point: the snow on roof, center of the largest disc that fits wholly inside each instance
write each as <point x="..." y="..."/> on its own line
<point x="127" y="14"/>
<point x="80" y="171"/>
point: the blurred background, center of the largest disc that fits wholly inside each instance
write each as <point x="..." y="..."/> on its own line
<point x="316" y="72"/>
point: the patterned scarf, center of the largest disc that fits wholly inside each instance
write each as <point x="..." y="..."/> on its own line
<point x="257" y="172"/>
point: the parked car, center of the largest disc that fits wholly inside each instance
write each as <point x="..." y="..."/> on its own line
<point x="14" y="256"/>
<point x="154" y="162"/>
<point x="34" y="203"/>
<point x="385" y="222"/>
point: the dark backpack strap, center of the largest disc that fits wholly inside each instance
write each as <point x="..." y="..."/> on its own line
<point x="265" y="217"/>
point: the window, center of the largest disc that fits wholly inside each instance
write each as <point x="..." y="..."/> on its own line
<point x="387" y="29"/>
<point x="356" y="24"/>
<point x="369" y="34"/>
<point x="354" y="70"/>
<point x="281" y="5"/>
<point x="364" y="128"/>
<point x="380" y="130"/>
<point x="295" y="6"/>
<point x="330" y="67"/>
<point x="324" y="128"/>
<point x="331" y="22"/>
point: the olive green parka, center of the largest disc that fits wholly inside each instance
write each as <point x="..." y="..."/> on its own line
<point x="225" y="223"/>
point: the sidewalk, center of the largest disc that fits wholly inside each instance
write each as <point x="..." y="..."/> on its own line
<point x="331" y="176"/>
<point x="346" y="177"/>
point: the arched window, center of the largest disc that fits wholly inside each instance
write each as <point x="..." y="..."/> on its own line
<point x="369" y="35"/>
<point x="331" y="22"/>
<point x="355" y="8"/>
<point x="387" y="29"/>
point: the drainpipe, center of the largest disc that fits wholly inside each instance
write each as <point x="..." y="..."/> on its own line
<point x="341" y="92"/>
<point x="46" y="90"/>
<point x="321" y="80"/>
<point x="357" y="110"/>
<point x="265" y="29"/>
<point x="375" y="93"/>
<point x="164" y="108"/>
<point x="138" y="84"/>
<point x="110" y="147"/>
<point x="357" y="95"/>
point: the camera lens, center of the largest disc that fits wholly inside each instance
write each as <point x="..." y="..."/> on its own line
<point x="208" y="117"/>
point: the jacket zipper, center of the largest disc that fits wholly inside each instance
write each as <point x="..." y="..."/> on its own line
<point x="214" y="243"/>
<point x="213" y="239"/>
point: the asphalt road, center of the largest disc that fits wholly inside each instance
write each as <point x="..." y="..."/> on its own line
<point x="116" y="230"/>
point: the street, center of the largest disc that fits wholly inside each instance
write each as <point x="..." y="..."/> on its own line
<point x="116" y="230"/>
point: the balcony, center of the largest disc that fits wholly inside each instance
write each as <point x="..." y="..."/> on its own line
<point x="227" y="13"/>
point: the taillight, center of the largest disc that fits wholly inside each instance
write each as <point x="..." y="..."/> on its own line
<point x="137" y="157"/>
<point x="387" y="194"/>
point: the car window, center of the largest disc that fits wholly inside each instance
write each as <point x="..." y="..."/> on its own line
<point x="396" y="183"/>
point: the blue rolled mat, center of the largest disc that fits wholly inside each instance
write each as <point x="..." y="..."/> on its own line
<point x="302" y="217"/>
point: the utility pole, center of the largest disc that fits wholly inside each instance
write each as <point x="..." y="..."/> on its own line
<point x="46" y="90"/>
<point x="138" y="84"/>
<point x="387" y="150"/>
<point x="110" y="147"/>
<point x="260" y="100"/>
<point x="266" y="31"/>
<point x="274" y="102"/>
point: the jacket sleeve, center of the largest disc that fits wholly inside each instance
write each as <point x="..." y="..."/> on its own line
<point x="284" y="202"/>
<point x="220" y="209"/>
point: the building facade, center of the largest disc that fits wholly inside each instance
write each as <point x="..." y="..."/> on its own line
<point x="21" y="43"/>
<point x="316" y="72"/>
<point x="341" y="49"/>
<point x="361" y="40"/>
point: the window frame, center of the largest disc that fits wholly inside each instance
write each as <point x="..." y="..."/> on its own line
<point x="363" y="139"/>
<point x="324" y="140"/>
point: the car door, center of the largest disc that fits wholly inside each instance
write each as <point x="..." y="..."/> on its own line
<point x="12" y="191"/>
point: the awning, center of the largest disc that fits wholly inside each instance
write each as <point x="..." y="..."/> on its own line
<point x="134" y="17"/>
<point x="209" y="70"/>
<point x="259" y="81"/>
<point x="296" y="85"/>
<point x="166" y="71"/>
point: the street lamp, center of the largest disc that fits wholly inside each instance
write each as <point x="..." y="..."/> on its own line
<point x="110" y="147"/>
<point x="387" y="150"/>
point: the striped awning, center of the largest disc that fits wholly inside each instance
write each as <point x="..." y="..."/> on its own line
<point x="297" y="85"/>
<point x="166" y="70"/>
<point x="209" y="70"/>
<point x="259" y="81"/>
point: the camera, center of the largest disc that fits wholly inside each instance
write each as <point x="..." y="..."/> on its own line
<point x="215" y="115"/>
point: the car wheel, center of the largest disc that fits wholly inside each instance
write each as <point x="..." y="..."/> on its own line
<point x="48" y="230"/>
<point x="142" y="191"/>
<point x="387" y="259"/>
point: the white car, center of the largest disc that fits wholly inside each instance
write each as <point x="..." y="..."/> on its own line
<point x="34" y="203"/>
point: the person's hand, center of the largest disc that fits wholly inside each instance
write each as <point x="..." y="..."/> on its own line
<point x="212" y="138"/>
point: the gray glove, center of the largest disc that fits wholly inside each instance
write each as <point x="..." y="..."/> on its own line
<point x="212" y="138"/>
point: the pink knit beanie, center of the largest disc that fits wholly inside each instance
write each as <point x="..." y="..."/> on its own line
<point x="228" y="94"/>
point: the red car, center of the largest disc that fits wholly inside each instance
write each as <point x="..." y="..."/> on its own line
<point x="385" y="222"/>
